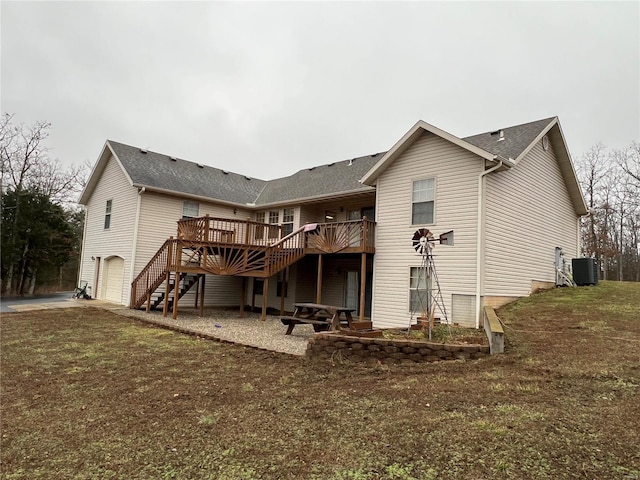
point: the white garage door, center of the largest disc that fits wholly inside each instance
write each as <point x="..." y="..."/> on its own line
<point x="113" y="271"/>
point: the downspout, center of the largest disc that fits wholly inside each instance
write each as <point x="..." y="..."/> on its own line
<point x="480" y="233"/>
<point x="136" y="224"/>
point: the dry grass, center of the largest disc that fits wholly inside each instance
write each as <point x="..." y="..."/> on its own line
<point x="87" y="394"/>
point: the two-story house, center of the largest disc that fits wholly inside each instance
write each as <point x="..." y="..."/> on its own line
<point x="340" y="233"/>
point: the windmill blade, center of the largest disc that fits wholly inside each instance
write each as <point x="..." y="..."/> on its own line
<point x="421" y="239"/>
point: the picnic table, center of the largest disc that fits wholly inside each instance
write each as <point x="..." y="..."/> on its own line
<point x="322" y="317"/>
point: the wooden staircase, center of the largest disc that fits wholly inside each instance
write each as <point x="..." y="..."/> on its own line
<point x="241" y="248"/>
<point x="184" y="256"/>
<point x="185" y="282"/>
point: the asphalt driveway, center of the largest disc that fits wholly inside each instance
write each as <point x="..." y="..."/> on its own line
<point x="18" y="303"/>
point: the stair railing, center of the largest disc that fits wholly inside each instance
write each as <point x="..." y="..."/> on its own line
<point x="285" y="251"/>
<point x="153" y="274"/>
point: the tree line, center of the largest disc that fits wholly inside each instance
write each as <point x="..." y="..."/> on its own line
<point x="610" y="180"/>
<point x="41" y="224"/>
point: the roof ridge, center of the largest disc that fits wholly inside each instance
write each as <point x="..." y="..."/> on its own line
<point x="548" y="120"/>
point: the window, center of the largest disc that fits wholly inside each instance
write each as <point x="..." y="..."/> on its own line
<point x="107" y="215"/>
<point x="287" y="221"/>
<point x="259" y="235"/>
<point x="354" y="215"/>
<point x="419" y="292"/>
<point x="190" y="209"/>
<point x="422" y="202"/>
<point x="273" y="221"/>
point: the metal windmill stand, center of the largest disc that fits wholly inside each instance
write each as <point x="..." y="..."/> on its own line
<point x="428" y="275"/>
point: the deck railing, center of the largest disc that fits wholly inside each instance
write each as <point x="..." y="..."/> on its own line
<point x="224" y="230"/>
<point x="334" y="237"/>
<point x="327" y="237"/>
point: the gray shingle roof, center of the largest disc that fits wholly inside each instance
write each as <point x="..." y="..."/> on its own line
<point x="152" y="169"/>
<point x="160" y="171"/>
<point x="516" y="139"/>
<point x="326" y="179"/>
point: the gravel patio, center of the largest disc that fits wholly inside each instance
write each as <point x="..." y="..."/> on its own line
<point x="226" y="324"/>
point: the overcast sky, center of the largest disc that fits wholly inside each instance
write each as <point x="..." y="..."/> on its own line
<point x="266" y="89"/>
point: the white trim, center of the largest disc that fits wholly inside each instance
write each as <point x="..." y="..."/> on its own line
<point x="408" y="138"/>
<point x="97" y="171"/>
<point x="536" y="140"/>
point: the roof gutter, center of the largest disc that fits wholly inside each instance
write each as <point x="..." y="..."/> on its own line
<point x="479" y="229"/>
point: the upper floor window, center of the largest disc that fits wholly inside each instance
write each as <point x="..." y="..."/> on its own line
<point x="190" y="209"/>
<point x="259" y="230"/>
<point x="107" y="214"/>
<point x="287" y="221"/>
<point x="273" y="220"/>
<point x="423" y="199"/>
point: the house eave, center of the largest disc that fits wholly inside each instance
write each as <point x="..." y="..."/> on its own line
<point x="316" y="198"/>
<point x="411" y="136"/>
<point x="174" y="193"/>
<point x="97" y="171"/>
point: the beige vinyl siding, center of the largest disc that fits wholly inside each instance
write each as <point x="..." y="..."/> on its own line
<point x="118" y="239"/>
<point x="159" y="215"/>
<point x="456" y="178"/>
<point x="528" y="214"/>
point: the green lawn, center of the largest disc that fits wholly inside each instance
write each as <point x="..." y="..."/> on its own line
<point x="88" y="394"/>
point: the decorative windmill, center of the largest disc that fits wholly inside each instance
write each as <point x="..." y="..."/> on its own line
<point x="429" y="294"/>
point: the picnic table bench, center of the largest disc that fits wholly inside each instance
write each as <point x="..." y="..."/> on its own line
<point x="322" y="317"/>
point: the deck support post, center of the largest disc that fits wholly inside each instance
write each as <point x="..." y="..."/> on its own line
<point x="148" y="294"/>
<point x="167" y="280"/>
<point x="363" y="283"/>
<point x="319" y="281"/>
<point x="283" y="288"/>
<point x="265" y="294"/>
<point x="197" y="295"/>
<point x="253" y="295"/>
<point x="202" y="295"/>
<point x="243" y="295"/>
<point x="176" y="283"/>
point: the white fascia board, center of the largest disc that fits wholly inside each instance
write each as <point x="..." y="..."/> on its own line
<point x="191" y="196"/>
<point x="566" y="166"/>
<point x="314" y="199"/>
<point x="97" y="170"/>
<point x="408" y="138"/>
<point x="544" y="131"/>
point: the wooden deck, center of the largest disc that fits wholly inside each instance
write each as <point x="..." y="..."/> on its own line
<point x="222" y="246"/>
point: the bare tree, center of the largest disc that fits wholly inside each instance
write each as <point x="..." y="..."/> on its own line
<point x="629" y="161"/>
<point x="592" y="171"/>
<point x="612" y="191"/>
<point x="30" y="177"/>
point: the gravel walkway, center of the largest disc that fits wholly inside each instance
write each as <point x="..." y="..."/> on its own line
<point x="226" y="325"/>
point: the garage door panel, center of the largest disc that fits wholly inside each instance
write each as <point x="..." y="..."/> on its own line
<point x="114" y="273"/>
